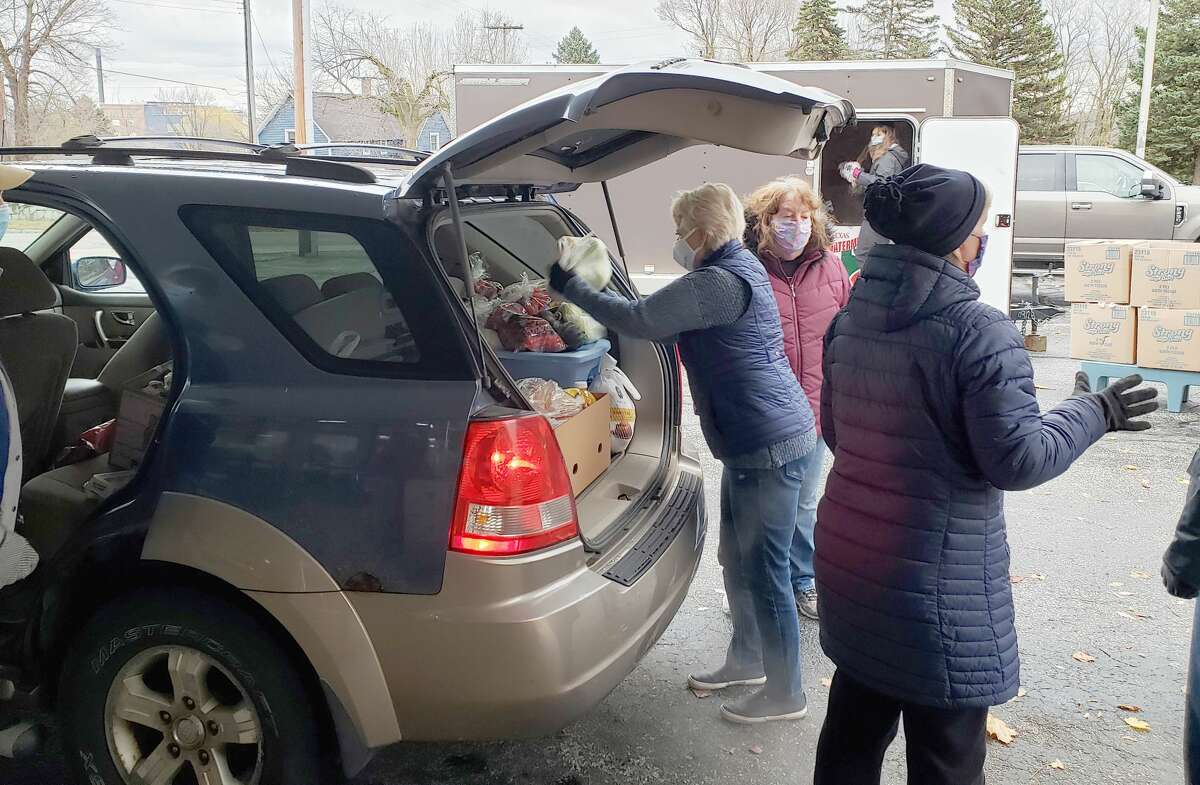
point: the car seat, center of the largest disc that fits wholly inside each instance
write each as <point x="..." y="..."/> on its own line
<point x="38" y="349"/>
<point x="293" y="293"/>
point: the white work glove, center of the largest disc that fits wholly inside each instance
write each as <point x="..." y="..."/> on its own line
<point x="850" y="171"/>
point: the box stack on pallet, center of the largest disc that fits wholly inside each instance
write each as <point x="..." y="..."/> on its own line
<point x="1136" y="308"/>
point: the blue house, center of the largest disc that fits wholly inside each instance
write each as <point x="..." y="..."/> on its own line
<point x="344" y="117"/>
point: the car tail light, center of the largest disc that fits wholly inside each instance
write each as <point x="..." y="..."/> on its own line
<point x="514" y="493"/>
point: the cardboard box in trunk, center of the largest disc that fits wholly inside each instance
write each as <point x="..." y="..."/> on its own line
<point x="1097" y="271"/>
<point x="137" y="418"/>
<point x="586" y="444"/>
<point x="1169" y="339"/>
<point x="1166" y="275"/>
<point x="1104" y="333"/>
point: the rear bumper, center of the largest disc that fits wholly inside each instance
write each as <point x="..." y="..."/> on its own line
<point x="522" y="647"/>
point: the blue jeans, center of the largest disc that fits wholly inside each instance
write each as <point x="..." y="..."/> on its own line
<point x="1191" y="718"/>
<point x="758" y="524"/>
<point x="806" y="520"/>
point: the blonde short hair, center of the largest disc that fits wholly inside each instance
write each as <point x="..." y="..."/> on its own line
<point x="763" y="204"/>
<point x="714" y="211"/>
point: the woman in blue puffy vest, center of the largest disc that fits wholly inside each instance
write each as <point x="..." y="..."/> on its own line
<point x="17" y="557"/>
<point x="756" y="420"/>
<point x="930" y="409"/>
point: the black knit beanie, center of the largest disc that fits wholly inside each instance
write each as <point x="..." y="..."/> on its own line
<point x="927" y="207"/>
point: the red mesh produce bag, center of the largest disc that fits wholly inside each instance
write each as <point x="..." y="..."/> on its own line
<point x="520" y="332"/>
<point x="496" y="319"/>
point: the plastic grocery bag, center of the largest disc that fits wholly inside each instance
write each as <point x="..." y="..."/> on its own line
<point x="621" y="395"/>
<point x="576" y="327"/>
<point x="520" y="332"/>
<point x="588" y="258"/>
<point x="533" y="296"/>
<point x="550" y="400"/>
<point x="484" y="286"/>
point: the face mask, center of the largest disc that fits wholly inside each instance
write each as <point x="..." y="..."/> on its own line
<point x="974" y="265"/>
<point x="683" y="254"/>
<point x="876" y="139"/>
<point x="790" y="236"/>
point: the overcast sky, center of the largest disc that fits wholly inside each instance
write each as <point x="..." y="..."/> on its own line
<point x="201" y="41"/>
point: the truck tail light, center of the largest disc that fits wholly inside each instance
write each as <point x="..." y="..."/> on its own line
<point x="514" y="493"/>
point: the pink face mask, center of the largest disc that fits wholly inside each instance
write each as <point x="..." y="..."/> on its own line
<point x="790" y="235"/>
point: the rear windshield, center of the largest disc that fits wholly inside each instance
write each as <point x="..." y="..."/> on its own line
<point x="324" y="281"/>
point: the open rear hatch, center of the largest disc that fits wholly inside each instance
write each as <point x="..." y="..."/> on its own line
<point x="589" y="132"/>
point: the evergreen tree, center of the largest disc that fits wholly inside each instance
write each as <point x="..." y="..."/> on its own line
<point x="817" y="35"/>
<point x="898" y="29"/>
<point x="575" y="48"/>
<point x="1173" y="138"/>
<point x="1015" y="34"/>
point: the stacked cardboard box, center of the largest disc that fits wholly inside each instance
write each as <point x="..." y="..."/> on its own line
<point x="1135" y="302"/>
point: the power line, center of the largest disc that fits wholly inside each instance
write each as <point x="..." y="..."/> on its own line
<point x="180" y="7"/>
<point x="108" y="70"/>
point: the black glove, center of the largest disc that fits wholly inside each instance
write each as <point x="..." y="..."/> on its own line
<point x="1177" y="587"/>
<point x="559" y="278"/>
<point x="1121" y="406"/>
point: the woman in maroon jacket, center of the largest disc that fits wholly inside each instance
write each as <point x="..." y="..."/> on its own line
<point x="787" y="227"/>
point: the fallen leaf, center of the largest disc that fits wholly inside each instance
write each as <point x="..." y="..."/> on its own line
<point x="1138" y="614"/>
<point x="1115" y="585"/>
<point x="1145" y="483"/>
<point x="1016" y="578"/>
<point x="1138" y="725"/>
<point x="1022" y="692"/>
<point x="826" y="683"/>
<point x="1125" y="615"/>
<point x="700" y="693"/>
<point x="1139" y="574"/>
<point x="1131" y="468"/>
<point x="756" y="750"/>
<point x="1124" y="594"/>
<point x="1057" y="764"/>
<point x="999" y="730"/>
<point x="1082" y="656"/>
<point x="1037" y="576"/>
<point x="1130" y="708"/>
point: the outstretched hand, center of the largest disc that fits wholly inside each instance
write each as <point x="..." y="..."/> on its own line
<point x="559" y="278"/>
<point x="1121" y="402"/>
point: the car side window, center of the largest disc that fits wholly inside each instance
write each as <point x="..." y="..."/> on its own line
<point x="324" y="281"/>
<point x="1038" y="172"/>
<point x="1107" y="174"/>
<point x="97" y="267"/>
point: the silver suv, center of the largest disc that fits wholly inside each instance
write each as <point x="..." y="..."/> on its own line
<point x="1067" y="193"/>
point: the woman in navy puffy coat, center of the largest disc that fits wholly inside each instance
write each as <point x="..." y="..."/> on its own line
<point x="930" y="410"/>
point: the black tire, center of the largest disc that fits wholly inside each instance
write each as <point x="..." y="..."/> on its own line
<point x="183" y="620"/>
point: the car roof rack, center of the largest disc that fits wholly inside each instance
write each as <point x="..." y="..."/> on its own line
<point x="121" y="151"/>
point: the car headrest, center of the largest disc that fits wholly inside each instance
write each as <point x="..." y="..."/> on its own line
<point x="293" y="293"/>
<point x="349" y="283"/>
<point x="23" y="287"/>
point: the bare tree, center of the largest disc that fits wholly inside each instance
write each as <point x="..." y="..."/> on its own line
<point x="486" y="37"/>
<point x="40" y="41"/>
<point x="411" y="65"/>
<point x="757" y="30"/>
<point x="700" y="19"/>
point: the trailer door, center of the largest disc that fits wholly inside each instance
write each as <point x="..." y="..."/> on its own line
<point x="987" y="148"/>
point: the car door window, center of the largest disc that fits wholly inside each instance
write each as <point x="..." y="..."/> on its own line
<point x="323" y="280"/>
<point x="1037" y="172"/>
<point x="1107" y="174"/>
<point x="94" y="248"/>
<point x="26" y="224"/>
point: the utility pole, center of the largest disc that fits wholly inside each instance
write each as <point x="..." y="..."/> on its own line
<point x="302" y="71"/>
<point x="1147" y="80"/>
<point x="249" y="71"/>
<point x="505" y="29"/>
<point x="99" y="75"/>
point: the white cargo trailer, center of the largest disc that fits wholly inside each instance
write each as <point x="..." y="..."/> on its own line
<point x="946" y="112"/>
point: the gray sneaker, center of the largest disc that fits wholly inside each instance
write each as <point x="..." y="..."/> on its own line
<point x="726" y="676"/>
<point x="806" y="602"/>
<point x="759" y="708"/>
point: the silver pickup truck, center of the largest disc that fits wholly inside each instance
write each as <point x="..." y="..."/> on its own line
<point x="1067" y="193"/>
